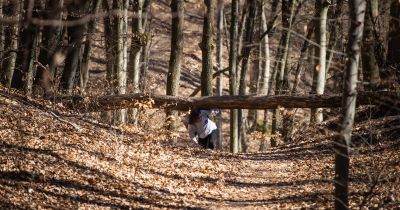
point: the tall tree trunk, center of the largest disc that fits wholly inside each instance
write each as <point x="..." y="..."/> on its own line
<point x="303" y="53"/>
<point x="51" y="41"/>
<point x="207" y="49"/>
<point x="138" y="40"/>
<point x="233" y="58"/>
<point x="255" y="68"/>
<point x="393" y="53"/>
<point x="243" y="11"/>
<point x="287" y="16"/>
<point x="121" y="54"/>
<point x="109" y="35"/>
<point x="246" y="49"/>
<point x="24" y="67"/>
<point x="264" y="83"/>
<point x="220" y="45"/>
<point x="273" y="73"/>
<point x="10" y="9"/>
<point x="369" y="62"/>
<point x="290" y="116"/>
<point x="342" y="146"/>
<point x="320" y="50"/>
<point x="84" y="73"/>
<point x="146" y="24"/>
<point x="136" y="45"/>
<point x="281" y="62"/>
<point x="266" y="62"/>
<point x="335" y="26"/>
<point x="1" y="37"/>
<point x="175" y="60"/>
<point x="75" y="38"/>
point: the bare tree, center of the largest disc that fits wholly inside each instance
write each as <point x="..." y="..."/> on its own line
<point x="10" y="9"/>
<point x="136" y="45"/>
<point x="24" y="67"/>
<point x="369" y="62"/>
<point x="175" y="60"/>
<point x="319" y="79"/>
<point x="265" y="78"/>
<point x="393" y="52"/>
<point x="1" y="35"/>
<point x="233" y="60"/>
<point x="280" y="72"/>
<point x="110" y="52"/>
<point x="246" y="49"/>
<point x="146" y="24"/>
<point x="220" y="40"/>
<point x="50" y="46"/>
<point x="121" y="53"/>
<point x="342" y="144"/>
<point x="334" y="28"/>
<point x="84" y="73"/>
<point x="75" y="38"/>
<point x="207" y="49"/>
<point x="138" y="40"/>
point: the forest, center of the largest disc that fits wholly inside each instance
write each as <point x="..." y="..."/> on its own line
<point x="94" y="95"/>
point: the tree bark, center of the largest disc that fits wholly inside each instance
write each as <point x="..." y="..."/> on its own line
<point x="264" y="83"/>
<point x="320" y="50"/>
<point x="287" y="16"/>
<point x="112" y="102"/>
<point x="393" y="58"/>
<point x="303" y="54"/>
<point x="369" y="62"/>
<point x="246" y="49"/>
<point x="121" y="56"/>
<point x="175" y="60"/>
<point x="84" y="73"/>
<point x="207" y="48"/>
<point x="10" y="43"/>
<point x="342" y="145"/>
<point x="110" y="52"/>
<point x="51" y="41"/>
<point x="75" y="38"/>
<point x="233" y="58"/>
<point x="220" y="40"/>
<point x="146" y="24"/>
<point x="335" y="26"/>
<point x="24" y="68"/>
<point x="289" y="118"/>
<point x="1" y="37"/>
<point x="281" y="61"/>
<point x="137" y="42"/>
<point x="255" y="71"/>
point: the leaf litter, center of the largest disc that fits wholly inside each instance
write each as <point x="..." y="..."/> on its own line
<point x="47" y="163"/>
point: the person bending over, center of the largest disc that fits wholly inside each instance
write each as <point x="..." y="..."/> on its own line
<point x="202" y="130"/>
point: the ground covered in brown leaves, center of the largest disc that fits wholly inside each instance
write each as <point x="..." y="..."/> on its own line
<point x="51" y="158"/>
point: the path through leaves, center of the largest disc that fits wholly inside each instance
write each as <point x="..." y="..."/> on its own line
<point x="58" y="159"/>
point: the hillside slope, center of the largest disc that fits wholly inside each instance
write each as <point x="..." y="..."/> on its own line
<point x="51" y="158"/>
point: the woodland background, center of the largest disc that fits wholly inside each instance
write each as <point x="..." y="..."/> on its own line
<point x="135" y="67"/>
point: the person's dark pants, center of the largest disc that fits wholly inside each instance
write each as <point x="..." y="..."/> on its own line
<point x="209" y="141"/>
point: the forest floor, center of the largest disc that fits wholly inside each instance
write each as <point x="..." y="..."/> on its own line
<point x="51" y="158"/>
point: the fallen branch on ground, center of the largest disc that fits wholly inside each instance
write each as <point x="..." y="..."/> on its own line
<point x="112" y="102"/>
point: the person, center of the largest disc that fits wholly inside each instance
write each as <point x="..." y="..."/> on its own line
<point x="202" y="130"/>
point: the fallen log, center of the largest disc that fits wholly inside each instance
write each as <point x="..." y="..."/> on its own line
<point x="112" y="102"/>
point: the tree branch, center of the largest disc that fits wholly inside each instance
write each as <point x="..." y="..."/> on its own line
<point x="112" y="102"/>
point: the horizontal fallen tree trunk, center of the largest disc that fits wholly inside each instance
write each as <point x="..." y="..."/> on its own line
<point x="111" y="102"/>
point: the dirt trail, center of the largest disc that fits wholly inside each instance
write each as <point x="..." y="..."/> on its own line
<point x="62" y="160"/>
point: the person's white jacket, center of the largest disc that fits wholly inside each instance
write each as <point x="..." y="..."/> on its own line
<point x="204" y="127"/>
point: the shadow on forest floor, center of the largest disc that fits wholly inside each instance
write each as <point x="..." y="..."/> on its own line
<point x="41" y="182"/>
